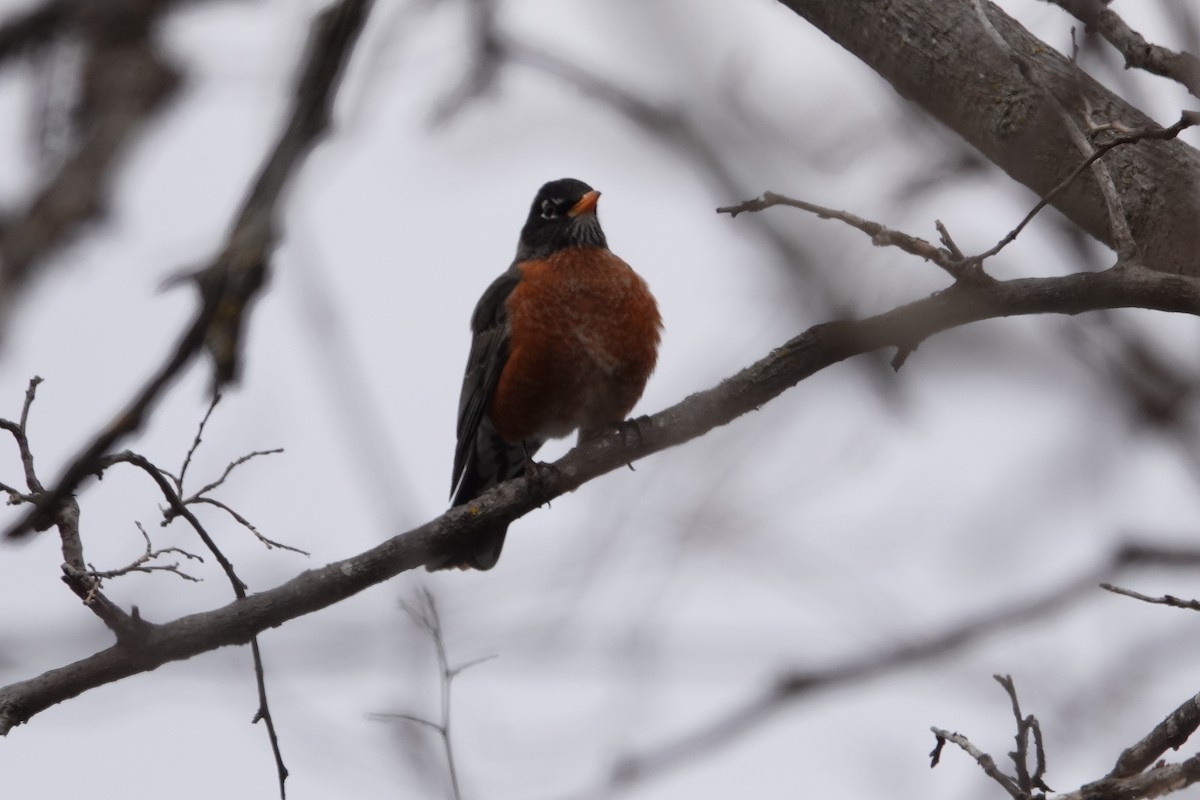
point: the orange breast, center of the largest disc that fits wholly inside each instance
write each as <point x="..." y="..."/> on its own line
<point x="584" y="340"/>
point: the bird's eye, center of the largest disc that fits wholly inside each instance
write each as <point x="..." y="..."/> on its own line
<point x="549" y="209"/>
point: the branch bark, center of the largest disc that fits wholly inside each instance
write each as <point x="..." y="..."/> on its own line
<point x="938" y="54"/>
<point x="814" y="350"/>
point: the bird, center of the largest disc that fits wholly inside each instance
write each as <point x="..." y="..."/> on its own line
<point x="563" y="341"/>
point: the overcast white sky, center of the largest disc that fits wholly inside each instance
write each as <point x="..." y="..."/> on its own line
<point x="859" y="511"/>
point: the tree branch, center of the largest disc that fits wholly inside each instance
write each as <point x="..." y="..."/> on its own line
<point x="1170" y="734"/>
<point x="803" y="356"/>
<point x="995" y="108"/>
<point x="797" y="684"/>
<point x="1184" y="68"/>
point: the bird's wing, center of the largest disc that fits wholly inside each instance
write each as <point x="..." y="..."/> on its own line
<point x="489" y="352"/>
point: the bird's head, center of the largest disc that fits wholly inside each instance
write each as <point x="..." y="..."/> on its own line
<point x="563" y="215"/>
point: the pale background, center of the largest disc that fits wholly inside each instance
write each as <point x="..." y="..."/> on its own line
<point x="859" y="511"/>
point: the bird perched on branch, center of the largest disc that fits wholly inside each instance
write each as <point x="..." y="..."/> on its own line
<point x="563" y="341"/>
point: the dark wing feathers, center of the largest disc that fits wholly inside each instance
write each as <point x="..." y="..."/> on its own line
<point x="489" y="351"/>
<point x="481" y="458"/>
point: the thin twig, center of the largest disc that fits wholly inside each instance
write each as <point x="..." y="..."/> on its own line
<point x="142" y="562"/>
<point x="950" y="258"/>
<point x="986" y="762"/>
<point x="65" y="517"/>
<point x="228" y="469"/>
<point x="264" y="715"/>
<point x="245" y="523"/>
<point x="1027" y="728"/>
<point x="19" y="431"/>
<point x="187" y="459"/>
<point x="176" y="504"/>
<point x="881" y="235"/>
<point x="1165" y="600"/>
<point x="423" y="611"/>
<point x="1125" y="244"/>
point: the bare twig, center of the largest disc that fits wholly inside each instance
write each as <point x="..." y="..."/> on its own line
<point x="1165" y="600"/>
<point x="237" y="462"/>
<point x="1047" y="198"/>
<point x="142" y="562"/>
<point x="245" y="523"/>
<point x="986" y="762"/>
<point x="1124" y="243"/>
<point x="881" y="235"/>
<point x="424" y="612"/>
<point x="175" y="503"/>
<point x="19" y="433"/>
<point x="65" y="517"/>
<point x="263" y="714"/>
<point x="1027" y="728"/>
<point x="187" y="459"/>
<point x="1021" y="787"/>
<point x="178" y="507"/>
<point x="200" y="496"/>
<point x="1127" y="779"/>
<point x="947" y="259"/>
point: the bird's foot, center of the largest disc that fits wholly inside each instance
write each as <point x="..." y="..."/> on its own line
<point x="633" y="426"/>
<point x="541" y="477"/>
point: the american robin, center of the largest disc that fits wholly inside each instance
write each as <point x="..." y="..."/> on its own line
<point x="563" y="341"/>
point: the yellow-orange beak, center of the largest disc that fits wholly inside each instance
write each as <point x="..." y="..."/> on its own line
<point x="586" y="204"/>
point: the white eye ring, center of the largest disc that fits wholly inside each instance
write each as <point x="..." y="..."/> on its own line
<point x="549" y="209"/>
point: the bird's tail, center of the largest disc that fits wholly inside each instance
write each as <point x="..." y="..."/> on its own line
<point x="481" y="554"/>
<point x="490" y="461"/>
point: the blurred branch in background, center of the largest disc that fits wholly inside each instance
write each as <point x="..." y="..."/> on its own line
<point x="123" y="79"/>
<point x="424" y="612"/>
<point x="230" y="284"/>
<point x="799" y="684"/>
<point x="969" y="82"/>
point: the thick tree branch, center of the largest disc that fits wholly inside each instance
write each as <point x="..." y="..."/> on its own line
<point x="1161" y="780"/>
<point x="937" y="54"/>
<point x="1170" y="734"/>
<point x="812" y="351"/>
<point x="1139" y="54"/>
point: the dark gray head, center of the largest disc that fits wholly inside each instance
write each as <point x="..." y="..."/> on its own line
<point x="562" y="215"/>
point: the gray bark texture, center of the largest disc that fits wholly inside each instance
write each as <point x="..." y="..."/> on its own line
<point x="940" y="55"/>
